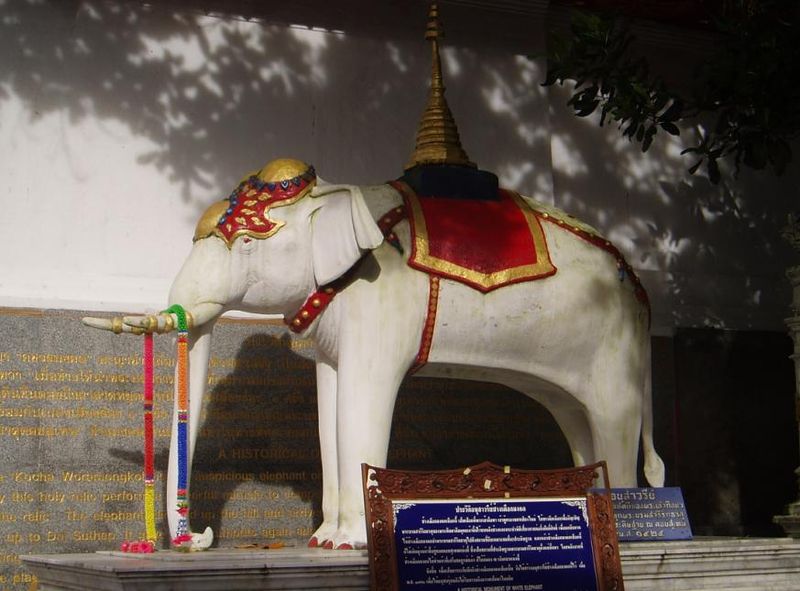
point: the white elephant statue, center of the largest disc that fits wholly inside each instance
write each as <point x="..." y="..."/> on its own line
<point x="327" y="259"/>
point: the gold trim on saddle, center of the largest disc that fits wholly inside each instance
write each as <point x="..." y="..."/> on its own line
<point x="423" y="260"/>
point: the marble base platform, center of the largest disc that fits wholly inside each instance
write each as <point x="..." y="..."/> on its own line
<point x="741" y="564"/>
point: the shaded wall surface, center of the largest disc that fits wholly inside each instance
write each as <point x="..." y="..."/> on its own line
<point x="120" y="122"/>
<point x="736" y="429"/>
<point x="71" y="434"/>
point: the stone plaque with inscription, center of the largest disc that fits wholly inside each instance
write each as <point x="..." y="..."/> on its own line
<point x="491" y="528"/>
<point x="494" y="545"/>
<point x="647" y="514"/>
<point x="71" y="436"/>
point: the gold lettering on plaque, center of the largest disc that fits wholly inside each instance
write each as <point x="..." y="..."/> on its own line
<point x="93" y="536"/>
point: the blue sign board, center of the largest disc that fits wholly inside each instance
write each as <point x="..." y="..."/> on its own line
<point x="536" y="544"/>
<point x="650" y="514"/>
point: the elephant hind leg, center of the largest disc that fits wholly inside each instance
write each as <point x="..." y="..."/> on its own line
<point x="616" y="440"/>
<point x="653" y="464"/>
<point x="575" y="427"/>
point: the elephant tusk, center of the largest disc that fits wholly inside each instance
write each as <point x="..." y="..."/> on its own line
<point x="115" y="325"/>
<point x="101" y="323"/>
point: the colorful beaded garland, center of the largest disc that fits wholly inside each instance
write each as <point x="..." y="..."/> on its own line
<point x="183" y="538"/>
<point x="148" y="545"/>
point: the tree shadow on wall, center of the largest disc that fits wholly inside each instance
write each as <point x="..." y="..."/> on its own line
<point x="213" y="98"/>
<point x="193" y="86"/>
<point x="708" y="255"/>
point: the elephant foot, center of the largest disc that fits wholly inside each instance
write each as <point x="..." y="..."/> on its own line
<point x="343" y="546"/>
<point x="345" y="540"/>
<point x="322" y="536"/>
<point x="315" y="543"/>
<point x="330" y="537"/>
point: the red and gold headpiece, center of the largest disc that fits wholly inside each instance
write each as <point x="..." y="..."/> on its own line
<point x="246" y="211"/>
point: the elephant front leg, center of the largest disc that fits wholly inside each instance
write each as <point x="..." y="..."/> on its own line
<point x="365" y="403"/>
<point x="326" y="408"/>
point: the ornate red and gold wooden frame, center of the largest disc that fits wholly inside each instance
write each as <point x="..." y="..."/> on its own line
<point x="487" y="481"/>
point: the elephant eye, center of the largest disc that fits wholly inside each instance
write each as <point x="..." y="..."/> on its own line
<point x="247" y="240"/>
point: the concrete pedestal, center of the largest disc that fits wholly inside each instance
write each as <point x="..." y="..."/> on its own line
<point x="710" y="563"/>
<point x="791" y="521"/>
<point x="743" y="564"/>
<point x="214" y="570"/>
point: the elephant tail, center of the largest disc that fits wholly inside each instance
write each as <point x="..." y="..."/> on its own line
<point x="653" y="464"/>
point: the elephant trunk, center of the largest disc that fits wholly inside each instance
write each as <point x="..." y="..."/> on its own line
<point x="201" y="287"/>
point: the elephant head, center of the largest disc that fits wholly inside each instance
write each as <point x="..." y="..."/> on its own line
<point x="280" y="233"/>
<point x="279" y="236"/>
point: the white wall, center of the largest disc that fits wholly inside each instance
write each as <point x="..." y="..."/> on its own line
<point x="119" y="124"/>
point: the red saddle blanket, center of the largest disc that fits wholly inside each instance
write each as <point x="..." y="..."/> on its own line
<point x="484" y="244"/>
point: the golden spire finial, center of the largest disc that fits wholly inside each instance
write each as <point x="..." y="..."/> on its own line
<point x="438" y="141"/>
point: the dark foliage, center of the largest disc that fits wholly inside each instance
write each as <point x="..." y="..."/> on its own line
<point x="747" y="91"/>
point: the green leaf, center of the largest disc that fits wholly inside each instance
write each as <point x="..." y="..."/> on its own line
<point x="587" y="110"/>
<point x="673" y="113"/>
<point x="713" y="171"/>
<point x="551" y="78"/>
<point x="755" y="154"/>
<point x="780" y="154"/>
<point x="670" y="127"/>
<point x="660" y="100"/>
<point x="648" y="137"/>
<point x="693" y="168"/>
<point x="603" y="114"/>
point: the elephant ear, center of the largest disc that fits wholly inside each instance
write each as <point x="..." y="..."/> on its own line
<point x="341" y="231"/>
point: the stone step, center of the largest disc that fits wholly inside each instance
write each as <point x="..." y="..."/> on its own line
<point x="742" y="564"/>
<point x="752" y="564"/>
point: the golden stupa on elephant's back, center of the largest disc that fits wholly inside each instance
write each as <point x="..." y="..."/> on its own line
<point x="438" y="141"/>
<point x="439" y="165"/>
